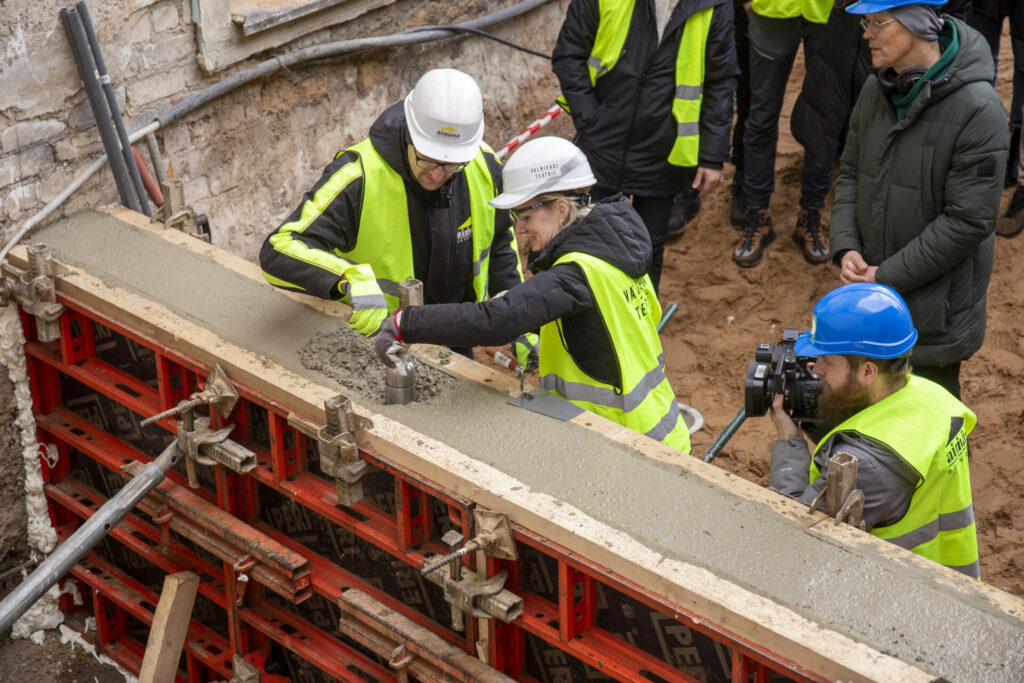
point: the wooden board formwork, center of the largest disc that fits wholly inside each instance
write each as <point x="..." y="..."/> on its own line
<point x="793" y="634"/>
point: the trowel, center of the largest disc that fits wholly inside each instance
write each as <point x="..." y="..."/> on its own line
<point x="538" y="399"/>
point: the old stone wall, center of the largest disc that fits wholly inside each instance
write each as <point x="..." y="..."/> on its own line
<point x="246" y="158"/>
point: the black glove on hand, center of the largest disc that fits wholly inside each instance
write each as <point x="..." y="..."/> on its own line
<point x="387" y="338"/>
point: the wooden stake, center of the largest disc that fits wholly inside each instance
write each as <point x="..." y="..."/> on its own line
<point x="170" y="624"/>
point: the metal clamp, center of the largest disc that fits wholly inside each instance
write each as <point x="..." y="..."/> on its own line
<point x="468" y="592"/>
<point x="218" y="391"/>
<point x="35" y="290"/>
<point x="841" y="497"/>
<point x="176" y="214"/>
<point x="336" y="442"/>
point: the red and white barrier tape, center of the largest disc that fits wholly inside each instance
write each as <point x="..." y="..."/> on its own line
<point x="530" y="130"/>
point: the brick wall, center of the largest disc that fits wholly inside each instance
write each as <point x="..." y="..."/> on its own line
<point x="246" y="158"/>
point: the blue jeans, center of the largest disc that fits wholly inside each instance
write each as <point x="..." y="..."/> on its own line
<point x="773" y="47"/>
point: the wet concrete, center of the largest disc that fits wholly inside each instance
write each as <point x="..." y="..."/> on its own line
<point x="959" y="636"/>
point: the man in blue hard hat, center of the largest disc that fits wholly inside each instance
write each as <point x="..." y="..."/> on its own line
<point x="921" y="178"/>
<point x="907" y="433"/>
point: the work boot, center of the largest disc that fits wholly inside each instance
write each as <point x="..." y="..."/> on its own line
<point x="810" y="235"/>
<point x="738" y="210"/>
<point x="757" y="235"/>
<point x="1013" y="160"/>
<point x="1011" y="223"/>
<point x="685" y="208"/>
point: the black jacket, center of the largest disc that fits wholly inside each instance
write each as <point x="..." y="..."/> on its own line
<point x="440" y="262"/>
<point x="834" y="78"/>
<point x="612" y="231"/>
<point x="625" y="124"/>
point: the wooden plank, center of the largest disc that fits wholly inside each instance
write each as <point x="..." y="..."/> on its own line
<point x="170" y="625"/>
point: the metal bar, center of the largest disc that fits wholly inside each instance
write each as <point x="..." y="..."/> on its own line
<point x="432" y="659"/>
<point x="725" y="435"/>
<point x="315" y="646"/>
<point x="134" y="598"/>
<point x="115" y="111"/>
<point x="100" y="109"/>
<point x="88" y="535"/>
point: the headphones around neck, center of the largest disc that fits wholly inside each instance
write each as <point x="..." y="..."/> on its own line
<point x="901" y="82"/>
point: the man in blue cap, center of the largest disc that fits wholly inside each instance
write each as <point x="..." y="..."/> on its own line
<point x="908" y="434"/>
<point x="921" y="178"/>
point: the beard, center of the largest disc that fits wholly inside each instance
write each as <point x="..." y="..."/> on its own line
<point x="835" y="406"/>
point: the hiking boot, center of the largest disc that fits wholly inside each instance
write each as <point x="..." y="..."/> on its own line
<point x="685" y="208"/>
<point x="738" y="210"/>
<point x="810" y="235"/>
<point x="1011" y="223"/>
<point x="757" y="235"/>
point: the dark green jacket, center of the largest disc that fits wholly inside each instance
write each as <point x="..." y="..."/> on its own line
<point x="919" y="197"/>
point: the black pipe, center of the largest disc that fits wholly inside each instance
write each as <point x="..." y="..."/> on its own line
<point x="196" y="100"/>
<point x="725" y="435"/>
<point x="100" y="111"/>
<point x="115" y="110"/>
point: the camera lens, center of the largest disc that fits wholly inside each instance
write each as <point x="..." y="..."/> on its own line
<point x="757" y="388"/>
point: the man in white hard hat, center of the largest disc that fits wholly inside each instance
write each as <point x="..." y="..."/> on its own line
<point x="410" y="200"/>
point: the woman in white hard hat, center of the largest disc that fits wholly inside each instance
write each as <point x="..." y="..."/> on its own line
<point x="590" y="297"/>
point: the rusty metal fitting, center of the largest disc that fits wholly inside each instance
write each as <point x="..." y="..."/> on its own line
<point x="35" y="290"/>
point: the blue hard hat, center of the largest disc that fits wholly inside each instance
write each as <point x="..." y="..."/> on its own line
<point x="860" y="319"/>
<point x="872" y="6"/>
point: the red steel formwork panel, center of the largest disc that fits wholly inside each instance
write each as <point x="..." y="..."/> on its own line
<point x="275" y="550"/>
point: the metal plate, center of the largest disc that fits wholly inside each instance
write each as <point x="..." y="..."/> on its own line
<point x="542" y="401"/>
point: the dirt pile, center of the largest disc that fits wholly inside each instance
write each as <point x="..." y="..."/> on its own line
<point x="725" y="311"/>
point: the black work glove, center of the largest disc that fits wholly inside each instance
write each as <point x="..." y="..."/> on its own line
<point x="388" y="343"/>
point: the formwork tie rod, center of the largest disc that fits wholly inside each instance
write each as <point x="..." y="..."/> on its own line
<point x="82" y="541"/>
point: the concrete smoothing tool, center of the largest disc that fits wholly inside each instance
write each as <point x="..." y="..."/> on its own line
<point x="538" y="399"/>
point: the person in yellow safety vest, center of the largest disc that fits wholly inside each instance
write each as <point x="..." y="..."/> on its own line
<point x="410" y="200"/>
<point x="590" y="296"/>
<point x="776" y="29"/>
<point x="649" y="85"/>
<point x="907" y="433"/>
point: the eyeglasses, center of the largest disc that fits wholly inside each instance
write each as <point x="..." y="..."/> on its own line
<point x="874" y="24"/>
<point x="430" y="165"/>
<point x="520" y="214"/>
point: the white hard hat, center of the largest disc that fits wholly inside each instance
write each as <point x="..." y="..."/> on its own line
<point x="540" y="166"/>
<point x="445" y="115"/>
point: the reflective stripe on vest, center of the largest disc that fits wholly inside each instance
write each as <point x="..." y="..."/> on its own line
<point x="815" y="11"/>
<point x="690" y="88"/>
<point x="612" y="29"/>
<point x="630" y="311"/>
<point x="384" y="240"/>
<point x="927" y="428"/>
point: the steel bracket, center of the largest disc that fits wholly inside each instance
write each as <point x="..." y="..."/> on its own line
<point x="35" y="290"/>
<point x="243" y="671"/>
<point x="464" y="594"/>
<point x="212" y="447"/>
<point x="176" y="214"/>
<point x="336" y="443"/>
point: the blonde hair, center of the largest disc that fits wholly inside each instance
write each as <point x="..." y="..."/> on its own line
<point x="577" y="209"/>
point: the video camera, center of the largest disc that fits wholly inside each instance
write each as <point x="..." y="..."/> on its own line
<point x="776" y="369"/>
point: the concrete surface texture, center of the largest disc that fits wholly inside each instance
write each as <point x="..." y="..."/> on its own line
<point x="246" y="159"/>
<point x="956" y="634"/>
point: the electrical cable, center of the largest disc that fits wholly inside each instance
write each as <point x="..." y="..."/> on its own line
<point x="193" y="102"/>
<point x="455" y="28"/>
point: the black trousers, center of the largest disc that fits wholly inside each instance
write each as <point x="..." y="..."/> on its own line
<point x="946" y="375"/>
<point x="655" y="212"/>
